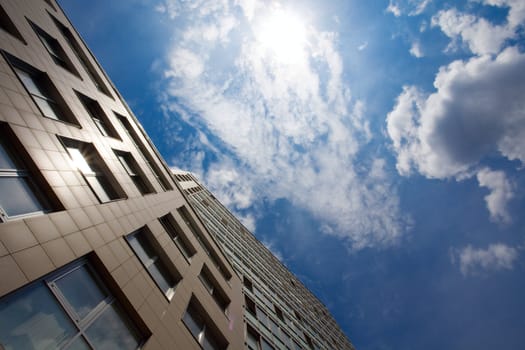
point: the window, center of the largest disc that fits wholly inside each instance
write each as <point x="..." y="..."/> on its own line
<point x="250" y="305"/>
<point x="177" y="235"/>
<point x="50" y="4"/>
<point x="202" y="328"/>
<point x="98" y="116"/>
<point x="41" y="89"/>
<point x="279" y="313"/>
<point x="70" y="309"/>
<point x="255" y="342"/>
<point x="18" y="192"/>
<point x="247" y="283"/>
<point x="185" y="215"/>
<point x="212" y="286"/>
<point x="134" y="172"/>
<point x="140" y="242"/>
<point x="82" y="57"/>
<point x="88" y="162"/>
<point x="8" y="25"/>
<point x="54" y="49"/>
<point x="144" y="152"/>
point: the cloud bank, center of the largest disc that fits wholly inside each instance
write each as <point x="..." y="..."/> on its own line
<point x="285" y="123"/>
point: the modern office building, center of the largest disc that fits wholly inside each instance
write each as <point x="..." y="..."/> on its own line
<point x="280" y="312"/>
<point x="99" y="245"/>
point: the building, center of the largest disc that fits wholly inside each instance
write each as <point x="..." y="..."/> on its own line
<point x="280" y="312"/>
<point x="99" y="245"/>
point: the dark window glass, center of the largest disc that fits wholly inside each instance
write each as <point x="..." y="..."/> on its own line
<point x="151" y="260"/>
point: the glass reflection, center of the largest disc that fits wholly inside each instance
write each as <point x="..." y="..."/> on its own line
<point x="33" y="320"/>
<point x="81" y="290"/>
<point x="110" y="331"/>
<point x="17" y="197"/>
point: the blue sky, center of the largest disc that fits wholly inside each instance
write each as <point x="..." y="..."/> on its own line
<point x="376" y="147"/>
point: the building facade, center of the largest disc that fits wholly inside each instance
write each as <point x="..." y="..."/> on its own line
<point x="280" y="312"/>
<point x="101" y="247"/>
<point x="98" y="246"/>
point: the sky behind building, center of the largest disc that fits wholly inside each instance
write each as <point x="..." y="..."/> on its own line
<point x="376" y="147"/>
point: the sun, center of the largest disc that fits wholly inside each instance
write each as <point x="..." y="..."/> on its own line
<point x="283" y="34"/>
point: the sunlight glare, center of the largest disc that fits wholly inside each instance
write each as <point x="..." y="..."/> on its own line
<point x="284" y="35"/>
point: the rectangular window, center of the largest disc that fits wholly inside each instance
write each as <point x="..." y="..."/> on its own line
<point x="81" y="56"/>
<point x="141" y="243"/>
<point x="134" y="172"/>
<point x="177" y="235"/>
<point x="202" y="328"/>
<point x="212" y="286"/>
<point x="19" y="195"/>
<point x="98" y="116"/>
<point x="134" y="137"/>
<point x="86" y="159"/>
<point x="70" y="309"/>
<point x="7" y="25"/>
<point x="54" y="49"/>
<point x="255" y="342"/>
<point x="41" y="89"/>
<point x="185" y="215"/>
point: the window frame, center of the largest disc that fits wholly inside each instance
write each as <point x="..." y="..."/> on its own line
<point x="208" y="328"/>
<point x="134" y="171"/>
<point x="211" y="284"/>
<point x="97" y="170"/>
<point x="80" y="324"/>
<point x="146" y="155"/>
<point x="81" y="56"/>
<point x="20" y="172"/>
<point x="170" y="274"/>
<point x="43" y="90"/>
<point x="54" y="49"/>
<point x="98" y="116"/>
<point x="178" y="236"/>
<point x="7" y="25"/>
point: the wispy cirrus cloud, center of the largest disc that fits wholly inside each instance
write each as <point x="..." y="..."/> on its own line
<point x="268" y="88"/>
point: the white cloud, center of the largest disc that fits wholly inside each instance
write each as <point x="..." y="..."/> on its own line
<point x="478" y="109"/>
<point x="516" y="14"/>
<point x="420" y="7"/>
<point x="480" y="35"/>
<point x="394" y="9"/>
<point x="496" y="257"/>
<point x="500" y="193"/>
<point x="415" y="50"/>
<point x="290" y="127"/>
<point x="410" y="7"/>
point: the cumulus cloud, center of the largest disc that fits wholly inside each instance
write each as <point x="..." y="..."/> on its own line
<point x="273" y="97"/>
<point x="497" y="256"/>
<point x="481" y="36"/>
<point x="478" y="108"/>
<point x="500" y="193"/>
<point x="478" y="34"/>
